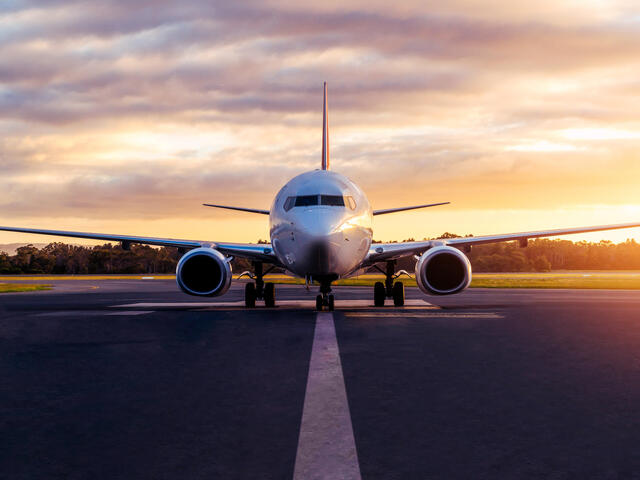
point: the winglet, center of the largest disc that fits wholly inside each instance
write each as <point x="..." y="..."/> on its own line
<point x="325" y="132"/>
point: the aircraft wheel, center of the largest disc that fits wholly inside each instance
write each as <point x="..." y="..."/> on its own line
<point x="269" y="295"/>
<point x="319" y="303"/>
<point x="250" y="295"/>
<point x="379" y="294"/>
<point x="331" y="303"/>
<point x="398" y="294"/>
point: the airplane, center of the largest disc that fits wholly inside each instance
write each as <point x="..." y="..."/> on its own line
<point x="321" y="230"/>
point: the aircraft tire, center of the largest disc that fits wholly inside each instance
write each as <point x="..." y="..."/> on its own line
<point x="379" y="294"/>
<point x="250" y="295"/>
<point x="319" y="303"/>
<point x="398" y="294"/>
<point x="269" y="295"/>
<point x="331" y="303"/>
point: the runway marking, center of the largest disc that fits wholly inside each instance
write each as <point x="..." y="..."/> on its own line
<point x="421" y="315"/>
<point x="91" y="313"/>
<point x="71" y="313"/>
<point x="326" y="446"/>
<point x="130" y="312"/>
<point x="281" y="303"/>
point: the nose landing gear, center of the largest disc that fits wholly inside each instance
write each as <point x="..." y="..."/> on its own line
<point x="325" y="299"/>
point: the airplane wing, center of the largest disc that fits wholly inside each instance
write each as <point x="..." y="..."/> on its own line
<point x="241" y="209"/>
<point x="381" y="252"/>
<point x="256" y="252"/>
<point x="402" y="209"/>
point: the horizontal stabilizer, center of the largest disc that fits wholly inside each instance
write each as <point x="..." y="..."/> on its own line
<point x="402" y="209"/>
<point x="242" y="209"/>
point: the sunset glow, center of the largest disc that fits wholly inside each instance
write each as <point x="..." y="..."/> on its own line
<point x="125" y="117"/>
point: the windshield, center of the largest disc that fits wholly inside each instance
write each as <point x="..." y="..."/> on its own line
<point x="332" y="200"/>
<point x="306" y="200"/>
<point x="325" y="200"/>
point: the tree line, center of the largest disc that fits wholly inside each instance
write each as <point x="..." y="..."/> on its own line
<point x="543" y="255"/>
<point x="540" y="255"/>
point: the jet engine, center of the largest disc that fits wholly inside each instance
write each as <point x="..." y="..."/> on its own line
<point x="204" y="272"/>
<point x="443" y="270"/>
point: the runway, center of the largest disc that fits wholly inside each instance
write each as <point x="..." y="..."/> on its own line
<point x="132" y="379"/>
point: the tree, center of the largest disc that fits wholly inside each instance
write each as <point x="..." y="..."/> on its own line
<point x="540" y="255"/>
<point x="5" y="264"/>
<point x="541" y="264"/>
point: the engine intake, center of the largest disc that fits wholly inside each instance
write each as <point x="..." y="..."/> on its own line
<point x="443" y="270"/>
<point x="204" y="272"/>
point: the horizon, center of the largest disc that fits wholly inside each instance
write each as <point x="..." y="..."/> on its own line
<point x="125" y="119"/>
<point x="79" y="242"/>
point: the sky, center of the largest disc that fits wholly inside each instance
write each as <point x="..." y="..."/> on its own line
<point x="124" y="117"/>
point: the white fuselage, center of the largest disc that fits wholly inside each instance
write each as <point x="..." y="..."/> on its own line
<point x="321" y="225"/>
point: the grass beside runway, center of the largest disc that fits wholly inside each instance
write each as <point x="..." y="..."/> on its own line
<point x="86" y="277"/>
<point x="624" y="280"/>
<point x="593" y="281"/>
<point x="576" y="280"/>
<point x="22" y="287"/>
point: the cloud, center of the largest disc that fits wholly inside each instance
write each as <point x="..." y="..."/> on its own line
<point x="144" y="110"/>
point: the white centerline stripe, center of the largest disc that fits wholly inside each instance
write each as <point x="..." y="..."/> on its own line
<point x="326" y="446"/>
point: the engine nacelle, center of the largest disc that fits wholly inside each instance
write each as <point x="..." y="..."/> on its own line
<point x="204" y="272"/>
<point x="443" y="270"/>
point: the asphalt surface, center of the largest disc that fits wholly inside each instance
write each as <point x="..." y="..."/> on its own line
<point x="485" y="384"/>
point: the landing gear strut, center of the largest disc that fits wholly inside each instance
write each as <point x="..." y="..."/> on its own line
<point x="389" y="289"/>
<point x="259" y="289"/>
<point x="325" y="299"/>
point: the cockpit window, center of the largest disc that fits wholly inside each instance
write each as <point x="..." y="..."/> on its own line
<point x="306" y="200"/>
<point x="289" y="203"/>
<point x="325" y="200"/>
<point x="351" y="202"/>
<point x="332" y="200"/>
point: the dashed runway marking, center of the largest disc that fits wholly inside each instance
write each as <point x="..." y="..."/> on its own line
<point x="130" y="312"/>
<point x="340" y="304"/>
<point x="427" y="314"/>
<point x="91" y="313"/>
<point x="71" y="313"/>
<point x="326" y="446"/>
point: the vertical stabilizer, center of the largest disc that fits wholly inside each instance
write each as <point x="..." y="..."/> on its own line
<point x="325" y="132"/>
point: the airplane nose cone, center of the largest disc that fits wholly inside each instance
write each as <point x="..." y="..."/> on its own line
<point x="322" y="225"/>
<point x="322" y="239"/>
<point x="319" y="257"/>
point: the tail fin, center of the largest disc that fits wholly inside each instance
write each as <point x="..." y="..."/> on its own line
<point x="325" y="132"/>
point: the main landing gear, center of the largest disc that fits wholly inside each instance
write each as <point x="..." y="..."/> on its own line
<point x="325" y="299"/>
<point x="259" y="289"/>
<point x="389" y="289"/>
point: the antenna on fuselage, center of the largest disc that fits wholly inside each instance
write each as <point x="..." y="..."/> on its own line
<point x="325" y="132"/>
